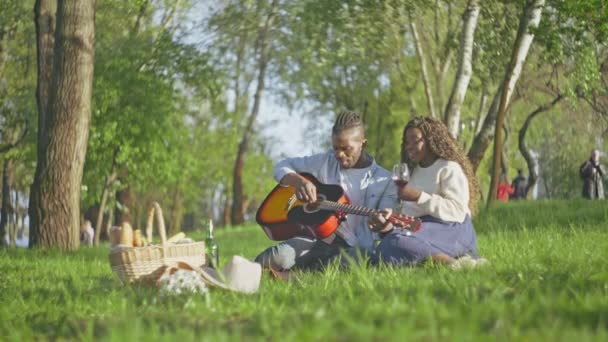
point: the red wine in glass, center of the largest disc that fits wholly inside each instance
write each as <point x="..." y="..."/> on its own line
<point x="399" y="182"/>
<point x="401" y="174"/>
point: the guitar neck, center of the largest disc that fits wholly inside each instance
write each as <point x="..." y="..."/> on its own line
<point x="346" y="208"/>
<point x="408" y="222"/>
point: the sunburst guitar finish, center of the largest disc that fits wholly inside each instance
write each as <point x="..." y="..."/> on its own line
<point x="282" y="216"/>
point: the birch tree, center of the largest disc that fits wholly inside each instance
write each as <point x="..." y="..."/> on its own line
<point x="465" y="70"/>
<point x="529" y="20"/>
<point x="423" y="71"/>
<point x="532" y="162"/>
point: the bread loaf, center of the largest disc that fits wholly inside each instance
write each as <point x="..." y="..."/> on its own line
<point x="126" y="238"/>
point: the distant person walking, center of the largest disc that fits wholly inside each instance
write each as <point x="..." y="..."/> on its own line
<point x="504" y="189"/>
<point x="593" y="176"/>
<point x="86" y="233"/>
<point x="519" y="184"/>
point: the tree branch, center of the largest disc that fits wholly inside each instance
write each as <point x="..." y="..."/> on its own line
<point x="531" y="162"/>
<point x="425" y="77"/>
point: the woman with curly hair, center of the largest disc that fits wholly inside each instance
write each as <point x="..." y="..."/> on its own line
<point x="442" y="192"/>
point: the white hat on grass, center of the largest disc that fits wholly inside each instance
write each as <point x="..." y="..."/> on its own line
<point x="239" y="274"/>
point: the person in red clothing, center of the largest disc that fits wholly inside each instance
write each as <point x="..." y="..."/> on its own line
<point x="504" y="189"/>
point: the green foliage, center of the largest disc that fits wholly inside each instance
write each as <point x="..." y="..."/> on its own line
<point x="494" y="38"/>
<point x="561" y="161"/>
<point x="571" y="36"/>
<point x="158" y="103"/>
<point x="346" y="56"/>
<point x="17" y="88"/>
<point x="165" y="94"/>
<point x="546" y="281"/>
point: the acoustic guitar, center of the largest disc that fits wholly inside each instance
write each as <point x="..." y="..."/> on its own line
<point x="282" y="216"/>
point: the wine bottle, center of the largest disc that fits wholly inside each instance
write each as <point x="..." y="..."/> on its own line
<point x="212" y="248"/>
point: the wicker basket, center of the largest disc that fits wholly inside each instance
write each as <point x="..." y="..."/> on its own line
<point x="146" y="264"/>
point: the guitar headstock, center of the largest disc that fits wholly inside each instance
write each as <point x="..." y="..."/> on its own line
<point x="410" y="223"/>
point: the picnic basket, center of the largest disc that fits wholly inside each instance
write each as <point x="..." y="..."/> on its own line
<point x="146" y="264"/>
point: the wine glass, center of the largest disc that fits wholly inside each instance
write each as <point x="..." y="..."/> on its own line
<point x="401" y="174"/>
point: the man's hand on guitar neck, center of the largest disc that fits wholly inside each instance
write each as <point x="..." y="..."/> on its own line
<point x="378" y="222"/>
<point x="306" y="191"/>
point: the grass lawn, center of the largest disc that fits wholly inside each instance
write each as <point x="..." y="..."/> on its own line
<point x="548" y="280"/>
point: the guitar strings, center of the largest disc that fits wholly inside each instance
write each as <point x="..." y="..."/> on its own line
<point x="357" y="210"/>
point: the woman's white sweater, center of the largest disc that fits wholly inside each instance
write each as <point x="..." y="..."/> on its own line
<point x="445" y="192"/>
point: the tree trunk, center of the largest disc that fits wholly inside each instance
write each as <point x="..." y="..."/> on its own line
<point x="177" y="213"/>
<point x="525" y="34"/>
<point x="436" y="22"/>
<point x="425" y="75"/>
<point x="413" y="105"/>
<point x="409" y="89"/>
<point x="529" y="20"/>
<point x="12" y="226"/>
<point x="226" y="210"/>
<point x="104" y="197"/>
<point x="17" y="215"/>
<point x="140" y="15"/>
<point x="139" y="212"/>
<point x="504" y="161"/>
<point x="4" y="37"/>
<point x="102" y="204"/>
<point x="238" y="208"/>
<point x="440" y="78"/>
<point x="6" y="203"/>
<point x="23" y="224"/>
<point x="547" y="190"/>
<point x="465" y="69"/>
<point x="482" y="105"/>
<point x="56" y="214"/>
<point x="45" y="11"/>
<point x="7" y="172"/>
<point x="247" y="202"/>
<point x="124" y="200"/>
<point x="242" y="42"/>
<point x="44" y="19"/>
<point x="110" y="221"/>
<point x="531" y="162"/>
<point x="442" y="59"/>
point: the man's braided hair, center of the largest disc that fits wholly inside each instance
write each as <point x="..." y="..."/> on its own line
<point x="443" y="145"/>
<point x="345" y="120"/>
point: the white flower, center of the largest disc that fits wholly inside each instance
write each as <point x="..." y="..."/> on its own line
<point x="182" y="281"/>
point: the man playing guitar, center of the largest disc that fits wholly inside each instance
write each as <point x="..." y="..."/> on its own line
<point x="365" y="183"/>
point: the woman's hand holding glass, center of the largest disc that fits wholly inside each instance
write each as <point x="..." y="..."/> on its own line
<point x="401" y="177"/>
<point x="401" y="174"/>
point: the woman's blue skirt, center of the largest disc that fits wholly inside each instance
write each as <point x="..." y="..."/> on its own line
<point x="402" y="247"/>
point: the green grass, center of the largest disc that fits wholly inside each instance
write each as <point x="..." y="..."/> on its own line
<point x="548" y="280"/>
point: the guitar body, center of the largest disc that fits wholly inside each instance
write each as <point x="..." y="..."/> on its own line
<point x="283" y="216"/>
